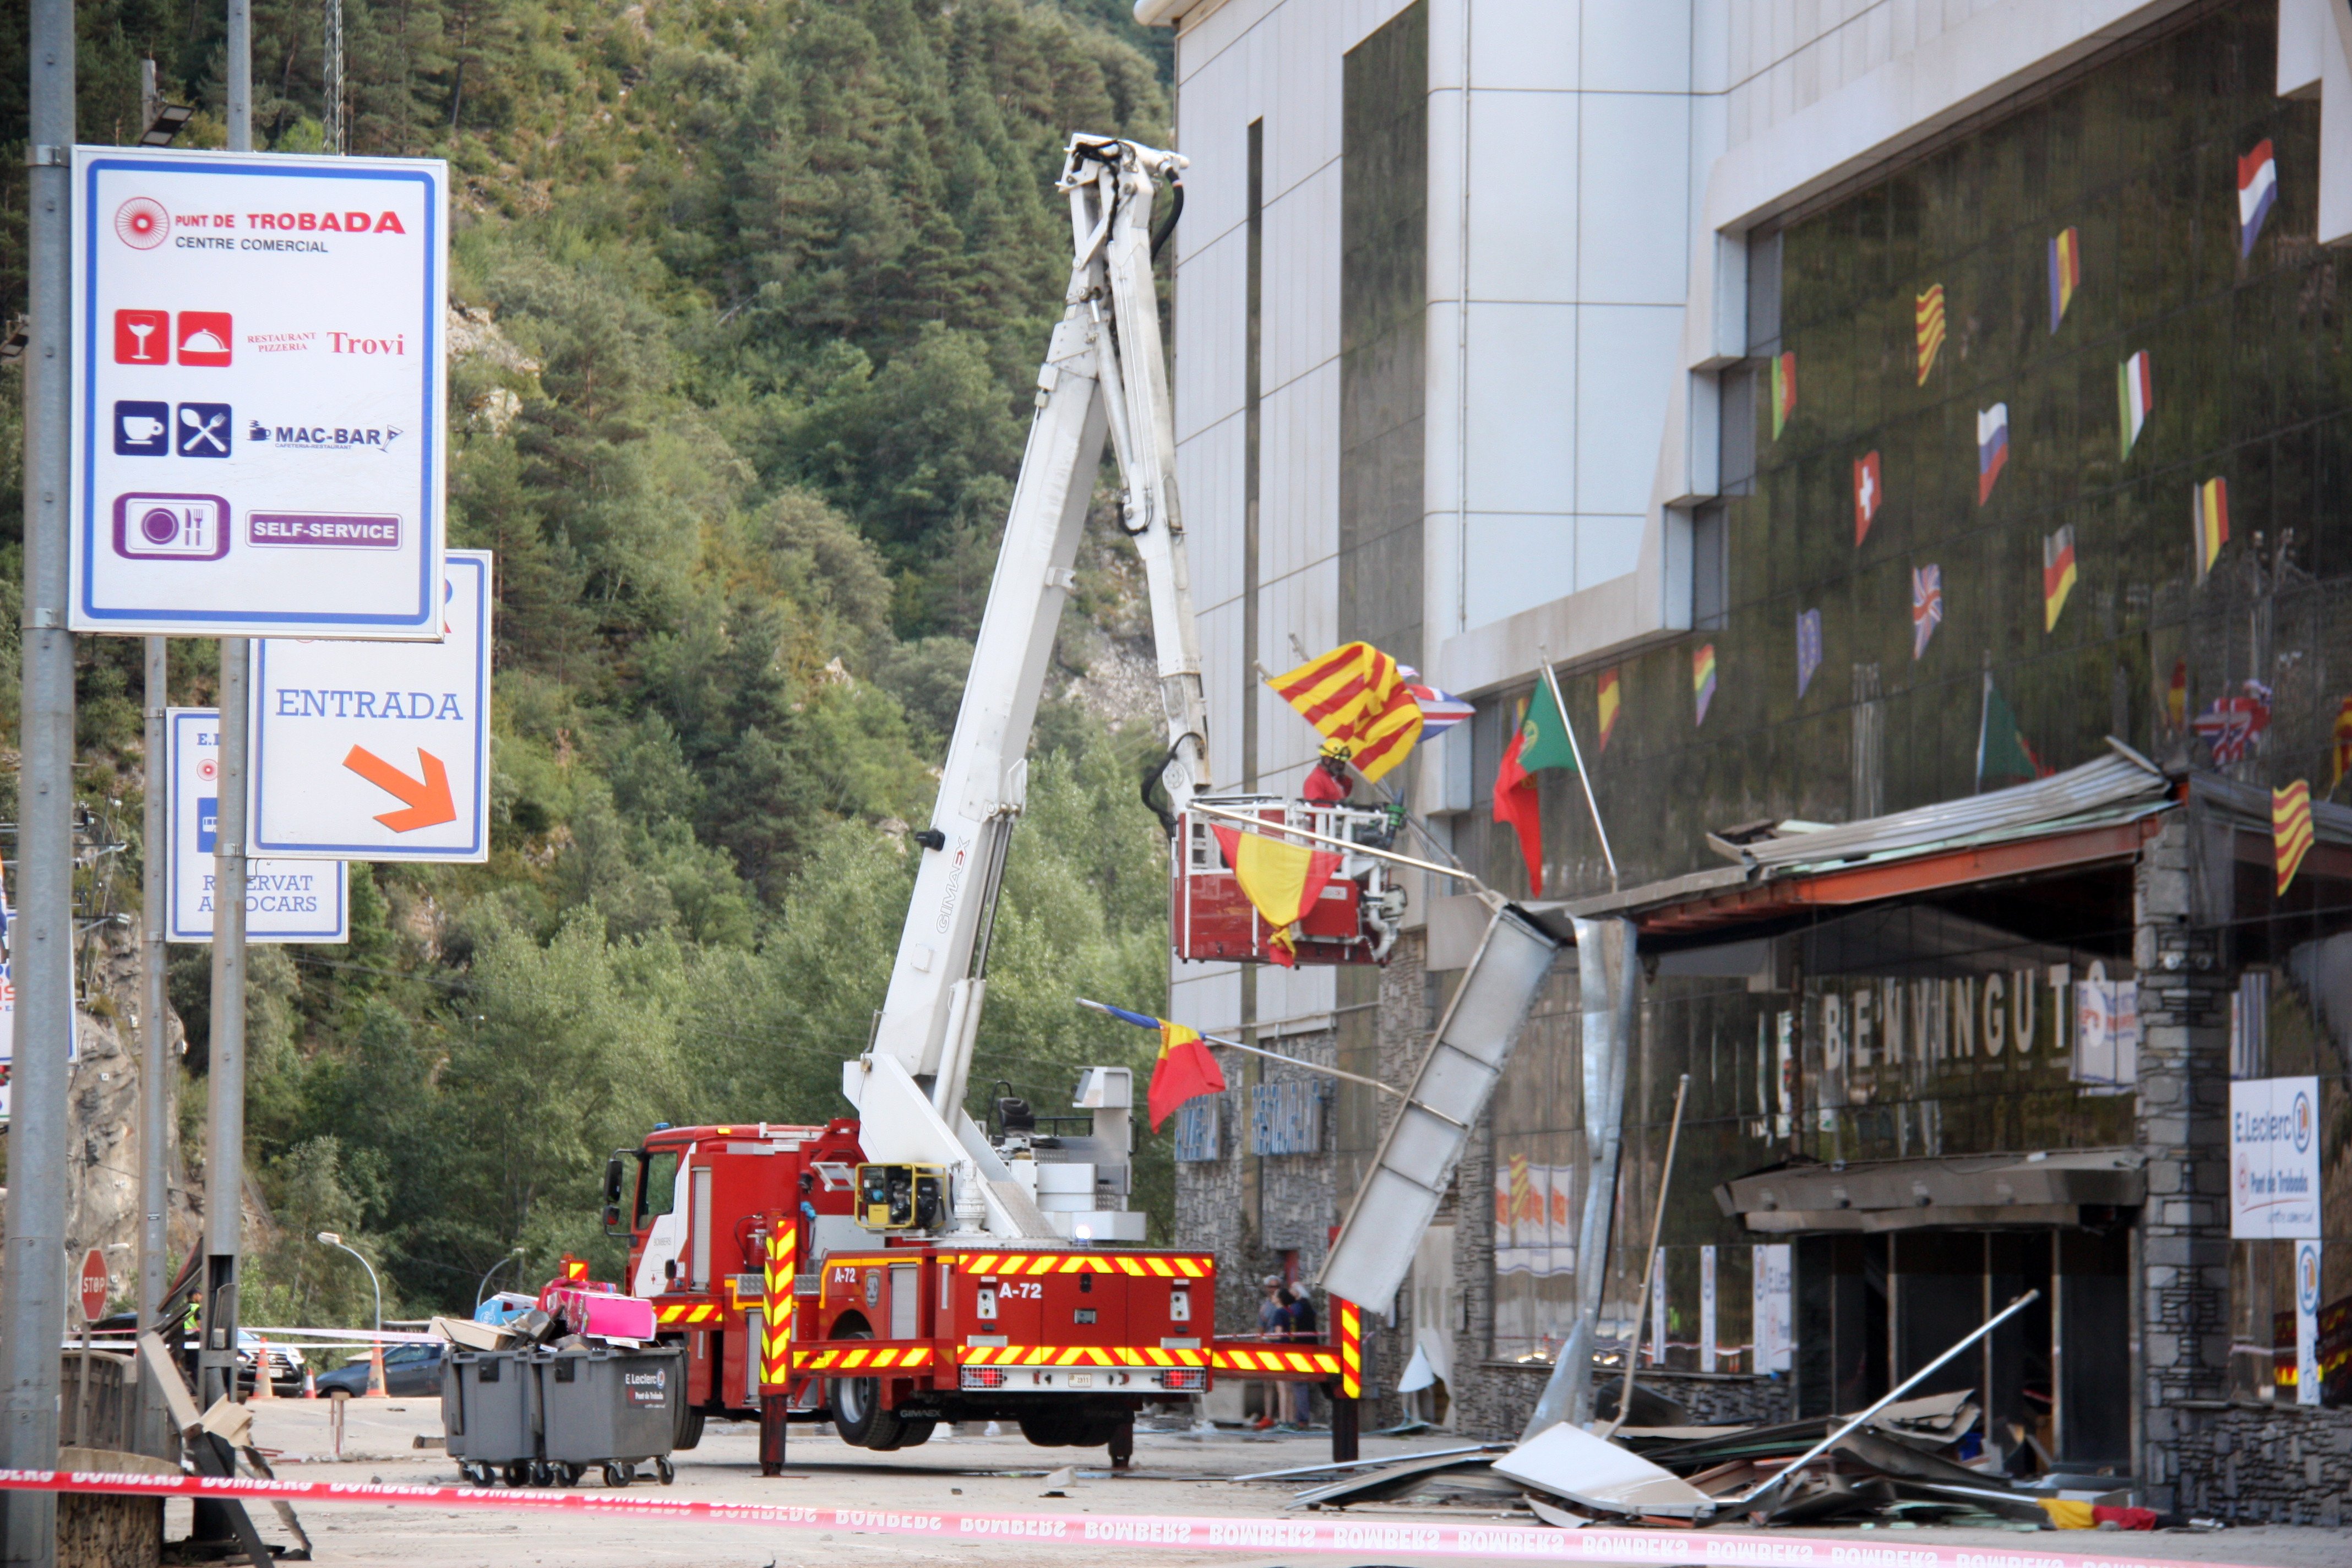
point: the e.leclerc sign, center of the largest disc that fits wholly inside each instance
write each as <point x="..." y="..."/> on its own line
<point x="2274" y="1159"/>
<point x="372" y="751"/>
<point x="258" y="421"/>
<point x="285" y="900"/>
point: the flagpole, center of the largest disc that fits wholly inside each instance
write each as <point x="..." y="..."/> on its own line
<point x="1261" y="825"/>
<point x="1582" y="776"/>
<point x="1984" y="720"/>
<point x="1294" y="1061"/>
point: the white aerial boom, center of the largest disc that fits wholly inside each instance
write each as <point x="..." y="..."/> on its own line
<point x="1105" y="373"/>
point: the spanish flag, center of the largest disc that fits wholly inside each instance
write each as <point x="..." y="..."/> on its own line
<point x="2290" y="829"/>
<point x="1356" y="695"/>
<point x="1281" y="880"/>
<point x="1185" y="1070"/>
<point x="1610" y="701"/>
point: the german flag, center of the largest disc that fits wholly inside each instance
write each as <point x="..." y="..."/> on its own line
<point x="2290" y="829"/>
<point x="1355" y="696"/>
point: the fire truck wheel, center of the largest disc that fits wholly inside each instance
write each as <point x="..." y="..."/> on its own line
<point x="859" y="1416"/>
<point x="1055" y="1430"/>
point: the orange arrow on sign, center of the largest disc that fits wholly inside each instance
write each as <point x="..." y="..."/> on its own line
<point x="429" y="802"/>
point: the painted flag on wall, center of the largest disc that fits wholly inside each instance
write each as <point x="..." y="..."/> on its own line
<point x="1185" y="1070"/>
<point x="2342" y="744"/>
<point x="1609" y="701"/>
<point x="1808" y="649"/>
<point x="2002" y="750"/>
<point x="1927" y="606"/>
<point x="1439" y="710"/>
<point x="2257" y="190"/>
<point x="2291" y="831"/>
<point x="2065" y="273"/>
<point x="2230" y="726"/>
<point x="2135" y="396"/>
<point x="1992" y="447"/>
<point x="1355" y="696"/>
<point x="1927" y="318"/>
<point x="2057" y="574"/>
<point x="1784" y="391"/>
<point x="1867" y="494"/>
<point x="2175" y="694"/>
<point x="1282" y="880"/>
<point x="1702" y="680"/>
<point x="2209" y="509"/>
<point x="1517" y="802"/>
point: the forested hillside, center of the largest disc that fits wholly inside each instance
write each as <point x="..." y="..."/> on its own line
<point x="750" y="298"/>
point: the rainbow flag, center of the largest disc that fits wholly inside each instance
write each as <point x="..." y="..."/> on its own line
<point x="2257" y="190"/>
<point x="1929" y="318"/>
<point x="2135" y="396"/>
<point x="1703" y="679"/>
<point x="2208" y="517"/>
<point x="1609" y="703"/>
<point x="2057" y="574"/>
<point x="1784" y="391"/>
<point x="2291" y="831"/>
<point x="2065" y="273"/>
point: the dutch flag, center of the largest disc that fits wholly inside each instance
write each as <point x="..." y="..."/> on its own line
<point x="2257" y="189"/>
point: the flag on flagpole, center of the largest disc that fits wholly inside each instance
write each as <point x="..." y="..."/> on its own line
<point x="1281" y="880"/>
<point x="1608" y="699"/>
<point x="2209" y="509"/>
<point x="1355" y="696"/>
<point x="1543" y="733"/>
<point x="1784" y="391"/>
<point x="1992" y="447"/>
<point x="1867" y="493"/>
<point x="2291" y="831"/>
<point x="2065" y="273"/>
<point x="1439" y="710"/>
<point x="2257" y="190"/>
<point x="1928" y="319"/>
<point x="2002" y="750"/>
<point x="1517" y="802"/>
<point x="1927" y="606"/>
<point x="2342" y="744"/>
<point x="1185" y="1070"/>
<point x="1808" y="649"/>
<point x="2057" y="574"/>
<point x="2134" y="396"/>
<point x="1702" y="680"/>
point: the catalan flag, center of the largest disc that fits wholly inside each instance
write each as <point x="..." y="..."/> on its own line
<point x="2135" y="396"/>
<point x="1608" y="699"/>
<point x="1867" y="493"/>
<point x="1992" y="448"/>
<point x="2209" y="509"/>
<point x="1281" y="880"/>
<point x="1927" y="316"/>
<point x="2065" y="273"/>
<point x="2290" y="829"/>
<point x="1702" y="680"/>
<point x="2342" y="744"/>
<point x="2257" y="190"/>
<point x="1184" y="1071"/>
<point x="1784" y="391"/>
<point x="1355" y="696"/>
<point x="2057" y="574"/>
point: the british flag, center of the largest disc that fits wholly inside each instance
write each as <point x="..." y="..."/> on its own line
<point x="2230" y="725"/>
<point x="1439" y="710"/>
<point x="1927" y="606"/>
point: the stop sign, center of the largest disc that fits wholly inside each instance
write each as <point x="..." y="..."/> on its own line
<point x="93" y="1286"/>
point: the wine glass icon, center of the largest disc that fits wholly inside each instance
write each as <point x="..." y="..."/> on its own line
<point x="142" y="331"/>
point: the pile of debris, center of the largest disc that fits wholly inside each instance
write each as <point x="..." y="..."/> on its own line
<point x="1920" y="1461"/>
<point x="564" y="1314"/>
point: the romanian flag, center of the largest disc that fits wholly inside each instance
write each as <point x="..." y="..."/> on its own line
<point x="2209" y="510"/>
<point x="1281" y="880"/>
<point x="1992" y="448"/>
<point x="1928" y="316"/>
<point x="2257" y="190"/>
<point x="2065" y="273"/>
<point x="1517" y="803"/>
<point x="1356" y="695"/>
<point x="1609" y="703"/>
<point x="2342" y="744"/>
<point x="1784" y="391"/>
<point x="2135" y="396"/>
<point x="1185" y="1070"/>
<point x="1702" y="680"/>
<point x="2290" y="829"/>
<point x="2057" y="574"/>
<point x="1867" y="493"/>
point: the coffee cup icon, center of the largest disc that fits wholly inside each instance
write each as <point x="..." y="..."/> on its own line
<point x="142" y="430"/>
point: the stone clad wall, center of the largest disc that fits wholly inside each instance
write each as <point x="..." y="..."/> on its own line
<point x="2264" y="1464"/>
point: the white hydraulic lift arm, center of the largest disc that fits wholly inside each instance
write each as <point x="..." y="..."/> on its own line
<point x="1105" y="373"/>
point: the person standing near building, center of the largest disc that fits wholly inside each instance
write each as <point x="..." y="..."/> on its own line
<point x="1273" y="1317"/>
<point x="1298" y="1320"/>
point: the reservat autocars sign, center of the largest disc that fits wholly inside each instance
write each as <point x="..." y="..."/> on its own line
<point x="285" y="900"/>
<point x="258" y="431"/>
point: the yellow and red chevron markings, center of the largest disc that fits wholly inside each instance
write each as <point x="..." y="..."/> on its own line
<point x="868" y="1358"/>
<point x="776" y="1276"/>
<point x="1350" y="1321"/>
<point x="1077" y="1356"/>
<point x="1011" y="1263"/>
<point x="1312" y="1362"/>
<point x="688" y="1312"/>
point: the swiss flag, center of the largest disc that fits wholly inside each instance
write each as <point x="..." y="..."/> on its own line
<point x="1867" y="494"/>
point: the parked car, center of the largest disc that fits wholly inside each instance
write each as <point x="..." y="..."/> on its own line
<point x="287" y="1365"/>
<point x="408" y="1370"/>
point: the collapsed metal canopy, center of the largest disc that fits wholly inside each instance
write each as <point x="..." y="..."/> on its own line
<point x="2039" y="1189"/>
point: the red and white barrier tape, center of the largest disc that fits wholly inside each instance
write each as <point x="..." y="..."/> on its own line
<point x="1261" y="1535"/>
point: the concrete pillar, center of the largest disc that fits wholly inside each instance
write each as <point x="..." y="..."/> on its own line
<point x="2182" y="1256"/>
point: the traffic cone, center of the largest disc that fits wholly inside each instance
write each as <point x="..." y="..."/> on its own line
<point x="309" y="1384"/>
<point x="375" y="1371"/>
<point x="264" y="1383"/>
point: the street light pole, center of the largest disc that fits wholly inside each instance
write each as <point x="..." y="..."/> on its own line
<point x="482" y="1292"/>
<point x="331" y="1239"/>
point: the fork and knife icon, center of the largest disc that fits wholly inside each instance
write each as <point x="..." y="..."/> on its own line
<point x="203" y="430"/>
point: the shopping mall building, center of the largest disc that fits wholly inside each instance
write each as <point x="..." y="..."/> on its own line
<point x="1919" y="437"/>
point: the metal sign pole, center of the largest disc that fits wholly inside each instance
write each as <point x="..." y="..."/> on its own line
<point x="156" y="1034"/>
<point x="32" y="1283"/>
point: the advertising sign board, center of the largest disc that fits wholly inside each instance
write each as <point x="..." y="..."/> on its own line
<point x="285" y="900"/>
<point x="2274" y="1159"/>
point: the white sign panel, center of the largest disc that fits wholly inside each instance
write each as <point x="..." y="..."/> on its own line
<point x="285" y="900"/>
<point x="258" y="431"/>
<point x="1771" y="1301"/>
<point x="2274" y="1159"/>
<point x="368" y="751"/>
<point x="2306" y="1323"/>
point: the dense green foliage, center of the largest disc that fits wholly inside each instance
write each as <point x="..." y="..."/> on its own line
<point x="752" y="296"/>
